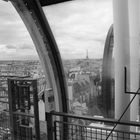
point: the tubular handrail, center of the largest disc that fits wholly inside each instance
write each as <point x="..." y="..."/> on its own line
<point x="105" y="120"/>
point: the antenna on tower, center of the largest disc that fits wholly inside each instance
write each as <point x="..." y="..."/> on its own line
<point x="87" y="55"/>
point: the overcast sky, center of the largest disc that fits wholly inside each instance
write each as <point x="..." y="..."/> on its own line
<point x="78" y="26"/>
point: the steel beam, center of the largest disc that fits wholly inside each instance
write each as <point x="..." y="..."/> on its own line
<point x="34" y="19"/>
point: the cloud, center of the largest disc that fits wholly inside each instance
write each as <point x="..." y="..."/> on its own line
<point x="77" y="26"/>
<point x="10" y="47"/>
<point x="12" y="28"/>
<point x="81" y="24"/>
<point x="16" y="52"/>
<point x="26" y="46"/>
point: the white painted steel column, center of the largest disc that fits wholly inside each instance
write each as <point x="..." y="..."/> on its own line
<point x="122" y="58"/>
<point x="134" y="56"/>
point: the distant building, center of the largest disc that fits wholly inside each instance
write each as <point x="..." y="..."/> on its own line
<point x="79" y="109"/>
<point x="81" y="89"/>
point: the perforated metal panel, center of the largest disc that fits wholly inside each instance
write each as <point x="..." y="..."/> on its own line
<point x="23" y="109"/>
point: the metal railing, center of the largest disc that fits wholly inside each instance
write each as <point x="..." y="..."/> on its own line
<point x="62" y="126"/>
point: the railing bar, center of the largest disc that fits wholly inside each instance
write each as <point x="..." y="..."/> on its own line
<point x="90" y="133"/>
<point x="113" y="121"/>
<point x="61" y="136"/>
<point x="96" y="133"/>
<point x="106" y="133"/>
<point x="135" y="136"/>
<point x="72" y="131"/>
<point x="130" y="135"/>
<point x="80" y="132"/>
<point x="76" y="131"/>
<point x="55" y="130"/>
<point x="101" y="134"/>
<point x="86" y="133"/>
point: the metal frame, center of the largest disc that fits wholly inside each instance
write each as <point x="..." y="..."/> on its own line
<point x="54" y="128"/>
<point x="125" y="84"/>
<point x="20" y="90"/>
<point x="33" y="17"/>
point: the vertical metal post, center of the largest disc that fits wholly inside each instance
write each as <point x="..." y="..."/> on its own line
<point x="55" y="130"/>
<point x="37" y="127"/>
<point x="49" y="126"/>
<point x="10" y="109"/>
<point x="122" y="59"/>
<point x="65" y="128"/>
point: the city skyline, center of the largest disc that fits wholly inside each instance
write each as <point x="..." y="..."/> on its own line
<point x="77" y="26"/>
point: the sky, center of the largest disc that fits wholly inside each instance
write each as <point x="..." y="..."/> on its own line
<point x="78" y="26"/>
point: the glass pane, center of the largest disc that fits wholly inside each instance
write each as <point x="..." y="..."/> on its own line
<point x="19" y="59"/>
<point x="80" y="28"/>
